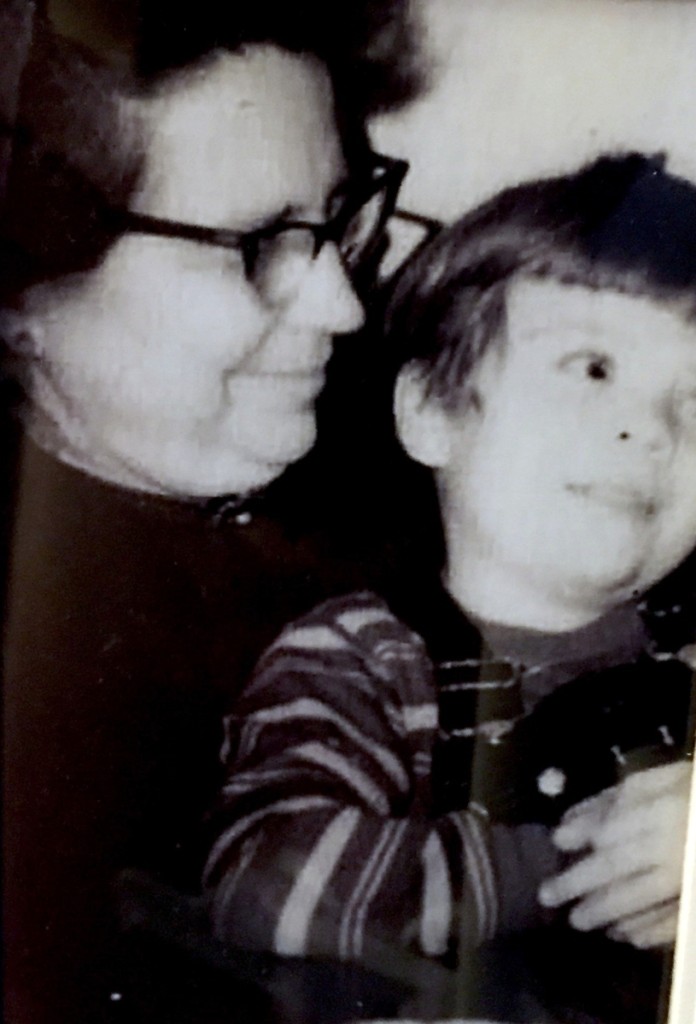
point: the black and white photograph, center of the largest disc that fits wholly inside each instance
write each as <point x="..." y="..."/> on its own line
<point x="348" y="399"/>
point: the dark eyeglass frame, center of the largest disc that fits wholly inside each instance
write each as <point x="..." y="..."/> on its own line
<point x="362" y="190"/>
<point x="429" y="226"/>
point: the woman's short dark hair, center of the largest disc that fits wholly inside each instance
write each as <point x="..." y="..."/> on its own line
<point x="75" y="155"/>
<point x="369" y="46"/>
<point x="621" y="223"/>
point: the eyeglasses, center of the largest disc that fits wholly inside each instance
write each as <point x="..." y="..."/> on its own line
<point x="277" y="256"/>
<point x="408" y="233"/>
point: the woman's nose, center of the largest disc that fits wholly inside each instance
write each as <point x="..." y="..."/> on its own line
<point x="326" y="300"/>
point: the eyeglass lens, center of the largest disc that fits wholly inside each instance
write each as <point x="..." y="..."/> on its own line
<point x="278" y="262"/>
<point x="361" y="231"/>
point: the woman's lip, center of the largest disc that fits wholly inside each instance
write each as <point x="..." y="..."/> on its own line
<point x="621" y="496"/>
<point x="312" y="373"/>
<point x="299" y="385"/>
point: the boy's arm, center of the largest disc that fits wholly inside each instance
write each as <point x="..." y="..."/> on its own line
<point x="324" y="846"/>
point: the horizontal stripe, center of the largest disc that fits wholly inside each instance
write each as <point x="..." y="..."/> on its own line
<point x="312" y="710"/>
<point x="232" y="835"/>
<point x="356" y="620"/>
<point x="391" y="649"/>
<point x="419" y="717"/>
<point x="245" y="782"/>
<point x="324" y="756"/>
<point x="506" y="684"/>
<point x="288" y="670"/>
<point x="313" y="638"/>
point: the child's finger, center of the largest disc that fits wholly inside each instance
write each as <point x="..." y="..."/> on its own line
<point x="592" y="872"/>
<point x="640" y="785"/>
<point x="620" y="821"/>
<point x="592" y="807"/>
<point x="654" y="927"/>
<point x="651" y="782"/>
<point x="580" y="824"/>
<point x="650" y="823"/>
<point x="656" y="798"/>
<point x="612" y="905"/>
<point x="688" y="655"/>
<point x="652" y="856"/>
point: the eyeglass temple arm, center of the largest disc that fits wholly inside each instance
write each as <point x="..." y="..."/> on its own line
<point x="431" y="226"/>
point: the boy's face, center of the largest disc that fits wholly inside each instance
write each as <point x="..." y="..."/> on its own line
<point x="575" y="482"/>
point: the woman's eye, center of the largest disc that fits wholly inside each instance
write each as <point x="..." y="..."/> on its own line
<point x="589" y="366"/>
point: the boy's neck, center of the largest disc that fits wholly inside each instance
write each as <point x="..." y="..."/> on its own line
<point x="495" y="595"/>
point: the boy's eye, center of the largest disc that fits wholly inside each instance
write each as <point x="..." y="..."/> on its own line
<point x="598" y="369"/>
<point x="688" y="405"/>
<point x="589" y="366"/>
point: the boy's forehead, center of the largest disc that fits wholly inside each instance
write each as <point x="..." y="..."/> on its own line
<point x="556" y="314"/>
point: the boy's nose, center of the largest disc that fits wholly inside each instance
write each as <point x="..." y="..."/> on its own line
<point x="653" y="426"/>
<point x="326" y="300"/>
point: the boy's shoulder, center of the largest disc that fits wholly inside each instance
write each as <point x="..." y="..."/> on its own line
<point x="360" y="620"/>
<point x="349" y="643"/>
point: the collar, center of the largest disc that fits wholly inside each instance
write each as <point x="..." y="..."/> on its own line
<point x="219" y="510"/>
<point x="471" y="650"/>
<point x="237" y="508"/>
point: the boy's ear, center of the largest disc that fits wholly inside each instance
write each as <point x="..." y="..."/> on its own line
<point x="21" y="335"/>
<point x="422" y="423"/>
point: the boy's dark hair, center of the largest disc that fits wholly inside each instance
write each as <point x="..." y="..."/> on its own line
<point x="74" y="154"/>
<point x="621" y="223"/>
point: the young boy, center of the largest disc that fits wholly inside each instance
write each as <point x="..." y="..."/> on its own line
<point x="387" y="785"/>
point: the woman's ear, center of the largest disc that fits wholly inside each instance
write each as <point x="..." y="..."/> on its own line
<point x="422" y="423"/>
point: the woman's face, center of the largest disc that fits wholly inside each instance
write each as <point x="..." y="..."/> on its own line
<point x="164" y="370"/>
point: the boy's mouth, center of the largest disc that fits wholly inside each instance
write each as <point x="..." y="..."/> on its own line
<point x="637" y="501"/>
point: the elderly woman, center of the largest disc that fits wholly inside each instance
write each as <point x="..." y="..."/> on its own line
<point x="177" y="255"/>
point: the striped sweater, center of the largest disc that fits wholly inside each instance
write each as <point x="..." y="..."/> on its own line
<point x="329" y="842"/>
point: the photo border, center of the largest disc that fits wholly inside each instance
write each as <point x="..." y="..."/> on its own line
<point x="682" y="995"/>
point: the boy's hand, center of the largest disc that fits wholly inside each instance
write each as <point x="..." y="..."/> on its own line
<point x="628" y="882"/>
<point x="688" y="655"/>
